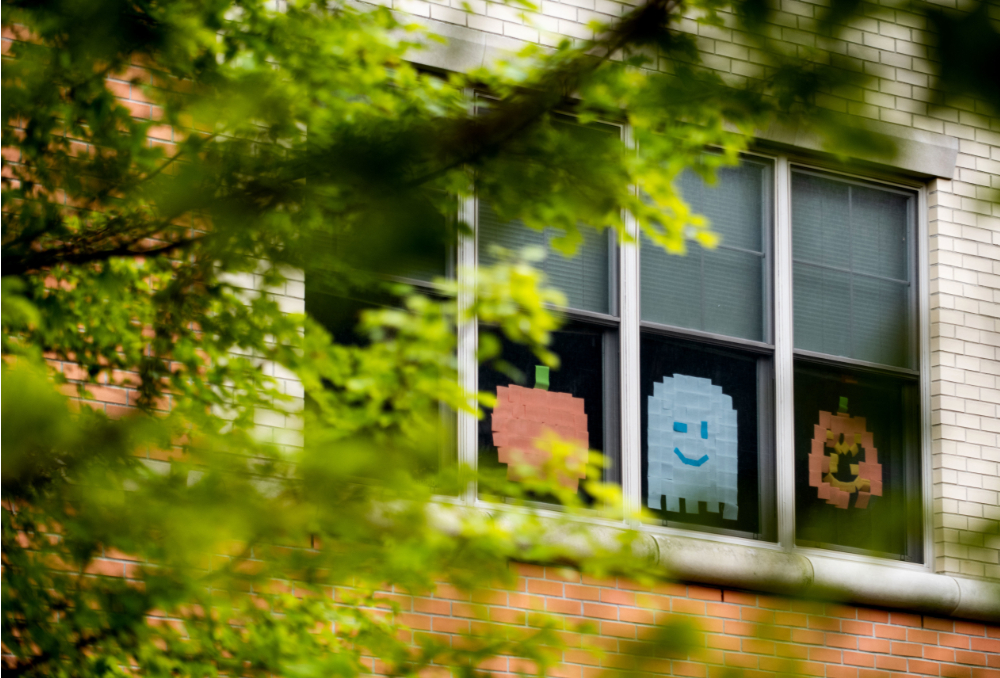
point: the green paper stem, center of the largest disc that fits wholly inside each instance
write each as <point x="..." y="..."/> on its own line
<point x="542" y="377"/>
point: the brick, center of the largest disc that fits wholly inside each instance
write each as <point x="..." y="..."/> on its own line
<point x="722" y="642"/>
<point x="857" y="628"/>
<point x="986" y="644"/>
<point x="859" y="659"/>
<point x="688" y="607"/>
<point x="636" y="616"/>
<point x="618" y="629"/>
<point x="921" y="636"/>
<point x="562" y="606"/>
<point x="590" y="593"/>
<point x="892" y="632"/>
<point x="739" y="598"/>
<point x="600" y="611"/>
<point x="890" y="663"/>
<point x="841" y="672"/>
<point x="544" y="587"/>
<point x="791" y="619"/>
<point x="825" y="654"/>
<point x="954" y="640"/>
<point x="689" y="669"/>
<point x="907" y="649"/>
<point x="615" y="597"/>
<point x="807" y="637"/>
<point x="924" y="667"/>
<point x="939" y="654"/>
<point x="824" y="623"/>
<point x="874" y="645"/>
<point x="970" y="628"/>
<point x="971" y="658"/>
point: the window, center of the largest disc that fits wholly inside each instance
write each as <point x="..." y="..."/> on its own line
<point x="767" y="389"/>
<point x="706" y="363"/>
<point x="856" y="380"/>
<point x="582" y="393"/>
<point x="332" y="299"/>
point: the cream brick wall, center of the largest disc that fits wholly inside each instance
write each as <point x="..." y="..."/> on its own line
<point x="893" y="47"/>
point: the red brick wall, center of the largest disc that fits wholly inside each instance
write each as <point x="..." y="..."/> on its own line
<point x="758" y="634"/>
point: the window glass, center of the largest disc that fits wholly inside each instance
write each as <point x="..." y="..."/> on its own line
<point x="852" y="278"/>
<point x="857" y="461"/>
<point x="700" y="434"/>
<point x="585" y="279"/>
<point x="722" y="290"/>
<point x="577" y="401"/>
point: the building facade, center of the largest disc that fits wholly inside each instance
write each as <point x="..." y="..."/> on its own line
<point x="837" y="360"/>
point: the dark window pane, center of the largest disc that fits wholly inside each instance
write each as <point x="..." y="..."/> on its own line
<point x="340" y="311"/>
<point x="578" y="387"/>
<point x="857" y="461"/>
<point x="700" y="434"/>
<point x="852" y="286"/>
<point x="722" y="290"/>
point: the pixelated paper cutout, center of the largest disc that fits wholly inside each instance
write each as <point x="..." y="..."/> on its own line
<point x="845" y="438"/>
<point x="521" y="418"/>
<point x="691" y="435"/>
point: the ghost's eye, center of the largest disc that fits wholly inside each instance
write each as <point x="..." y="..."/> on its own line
<point x="704" y="429"/>
<point x="680" y="428"/>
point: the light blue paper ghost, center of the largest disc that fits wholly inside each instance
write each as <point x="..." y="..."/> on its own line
<point x="692" y="446"/>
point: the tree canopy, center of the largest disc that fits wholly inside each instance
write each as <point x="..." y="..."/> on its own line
<point x="267" y="145"/>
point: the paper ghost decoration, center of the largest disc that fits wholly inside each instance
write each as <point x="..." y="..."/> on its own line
<point x="691" y="438"/>
<point x="842" y="472"/>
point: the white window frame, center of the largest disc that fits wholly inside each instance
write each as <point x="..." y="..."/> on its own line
<point x="628" y="285"/>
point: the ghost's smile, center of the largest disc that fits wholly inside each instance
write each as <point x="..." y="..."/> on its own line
<point x="690" y="462"/>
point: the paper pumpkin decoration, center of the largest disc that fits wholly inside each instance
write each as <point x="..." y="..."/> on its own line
<point x="522" y="417"/>
<point x="845" y="470"/>
<point x="691" y="434"/>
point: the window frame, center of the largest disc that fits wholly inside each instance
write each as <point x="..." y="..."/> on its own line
<point x="468" y="368"/>
<point x="779" y="327"/>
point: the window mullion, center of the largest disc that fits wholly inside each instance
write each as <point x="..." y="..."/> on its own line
<point x="468" y="367"/>
<point x="631" y="393"/>
<point x="783" y="356"/>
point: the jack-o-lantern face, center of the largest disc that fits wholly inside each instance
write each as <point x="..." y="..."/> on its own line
<point x="843" y="461"/>
<point x="520" y="421"/>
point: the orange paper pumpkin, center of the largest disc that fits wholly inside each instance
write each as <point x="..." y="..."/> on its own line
<point x="523" y="415"/>
<point x="844" y="437"/>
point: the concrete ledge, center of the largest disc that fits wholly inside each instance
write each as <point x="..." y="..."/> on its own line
<point x="723" y="564"/>
<point x="844" y="580"/>
<point x="839" y="578"/>
<point x="907" y="149"/>
<point x="914" y="151"/>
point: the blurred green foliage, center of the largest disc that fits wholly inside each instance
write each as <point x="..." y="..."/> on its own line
<point x="304" y="141"/>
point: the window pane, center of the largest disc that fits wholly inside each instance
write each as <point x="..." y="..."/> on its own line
<point x="720" y="291"/>
<point x="857" y="461"/>
<point x="700" y="438"/>
<point x="579" y="387"/>
<point x="852" y="282"/>
<point x="735" y="204"/>
<point x="585" y="279"/>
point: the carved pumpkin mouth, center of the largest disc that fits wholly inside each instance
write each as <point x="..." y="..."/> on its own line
<point x="851" y="467"/>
